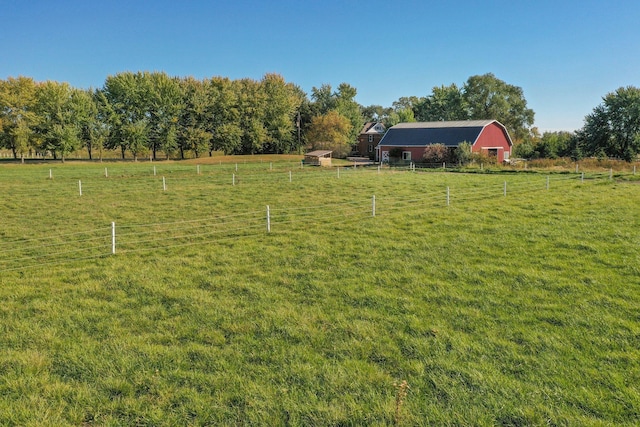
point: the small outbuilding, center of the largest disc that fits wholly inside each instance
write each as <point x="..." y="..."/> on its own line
<point x="485" y="136"/>
<point x="318" y="158"/>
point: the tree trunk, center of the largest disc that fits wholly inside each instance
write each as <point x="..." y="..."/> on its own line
<point x="122" y="149"/>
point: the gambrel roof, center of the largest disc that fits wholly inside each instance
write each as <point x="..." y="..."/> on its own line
<point x="451" y="134"/>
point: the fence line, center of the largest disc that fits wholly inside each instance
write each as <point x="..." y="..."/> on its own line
<point x="37" y="252"/>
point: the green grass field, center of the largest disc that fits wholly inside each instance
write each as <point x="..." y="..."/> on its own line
<point x="510" y="310"/>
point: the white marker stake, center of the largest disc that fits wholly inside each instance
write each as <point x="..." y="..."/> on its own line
<point x="236" y="167"/>
<point x="268" y="220"/>
<point x="80" y="187"/>
<point x="233" y="179"/>
<point x="338" y="172"/>
<point x="106" y="174"/>
<point x="51" y="174"/>
<point x="373" y="206"/>
<point x="164" y="184"/>
<point x="289" y="176"/>
<point x="505" y="189"/>
<point x="113" y="238"/>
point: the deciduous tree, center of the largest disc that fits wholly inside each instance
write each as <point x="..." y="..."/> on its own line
<point x="613" y="128"/>
<point x="487" y="97"/>
<point x="330" y="131"/>
<point x="17" y="114"/>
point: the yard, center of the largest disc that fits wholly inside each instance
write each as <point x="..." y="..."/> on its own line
<point x="500" y="298"/>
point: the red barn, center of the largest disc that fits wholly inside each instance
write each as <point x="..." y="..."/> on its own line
<point x="489" y="136"/>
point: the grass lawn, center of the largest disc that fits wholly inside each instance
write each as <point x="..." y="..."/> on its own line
<point x="516" y="309"/>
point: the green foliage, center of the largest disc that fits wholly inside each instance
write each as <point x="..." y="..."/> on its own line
<point x="330" y="131"/>
<point x="18" y="116"/>
<point x="613" y="128"/>
<point x="487" y="97"/>
<point x="462" y="153"/>
<point x="444" y="103"/>
<point x="62" y="111"/>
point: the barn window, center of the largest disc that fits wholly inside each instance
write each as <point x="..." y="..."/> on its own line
<point x="370" y="138"/>
<point x="406" y="155"/>
<point x="371" y="148"/>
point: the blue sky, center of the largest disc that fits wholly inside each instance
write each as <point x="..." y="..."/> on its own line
<point x="565" y="55"/>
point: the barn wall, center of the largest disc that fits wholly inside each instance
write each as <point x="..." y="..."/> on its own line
<point x="416" y="152"/>
<point x="493" y="136"/>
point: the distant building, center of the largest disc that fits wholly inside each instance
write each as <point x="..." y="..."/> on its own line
<point x="488" y="136"/>
<point x="369" y="138"/>
<point x="318" y="158"/>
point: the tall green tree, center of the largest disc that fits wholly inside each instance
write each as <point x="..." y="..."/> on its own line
<point x="347" y="106"/>
<point x="223" y="115"/>
<point x="613" y="128"/>
<point x="444" y="103"/>
<point x="163" y="102"/>
<point x="18" y="116"/>
<point x="487" y="97"/>
<point x="283" y="101"/>
<point x="193" y="133"/>
<point x="58" y="125"/>
<point x="126" y="110"/>
<point x="92" y="132"/>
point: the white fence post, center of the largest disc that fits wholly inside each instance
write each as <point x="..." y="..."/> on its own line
<point x="289" y="176"/>
<point x="51" y="173"/>
<point x="106" y="173"/>
<point x="505" y="189"/>
<point x="164" y="184"/>
<point x="338" y="171"/>
<point x="373" y="206"/>
<point x="448" y="199"/>
<point x="268" y="220"/>
<point x="198" y="169"/>
<point x="236" y="167"/>
<point x="80" y="187"/>
<point x="113" y="238"/>
<point x="233" y="179"/>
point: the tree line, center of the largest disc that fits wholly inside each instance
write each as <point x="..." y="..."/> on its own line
<point x="160" y="116"/>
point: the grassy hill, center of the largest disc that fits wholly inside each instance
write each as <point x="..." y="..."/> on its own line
<point x="516" y="309"/>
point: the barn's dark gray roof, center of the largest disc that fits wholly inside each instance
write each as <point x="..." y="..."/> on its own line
<point x="420" y="134"/>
